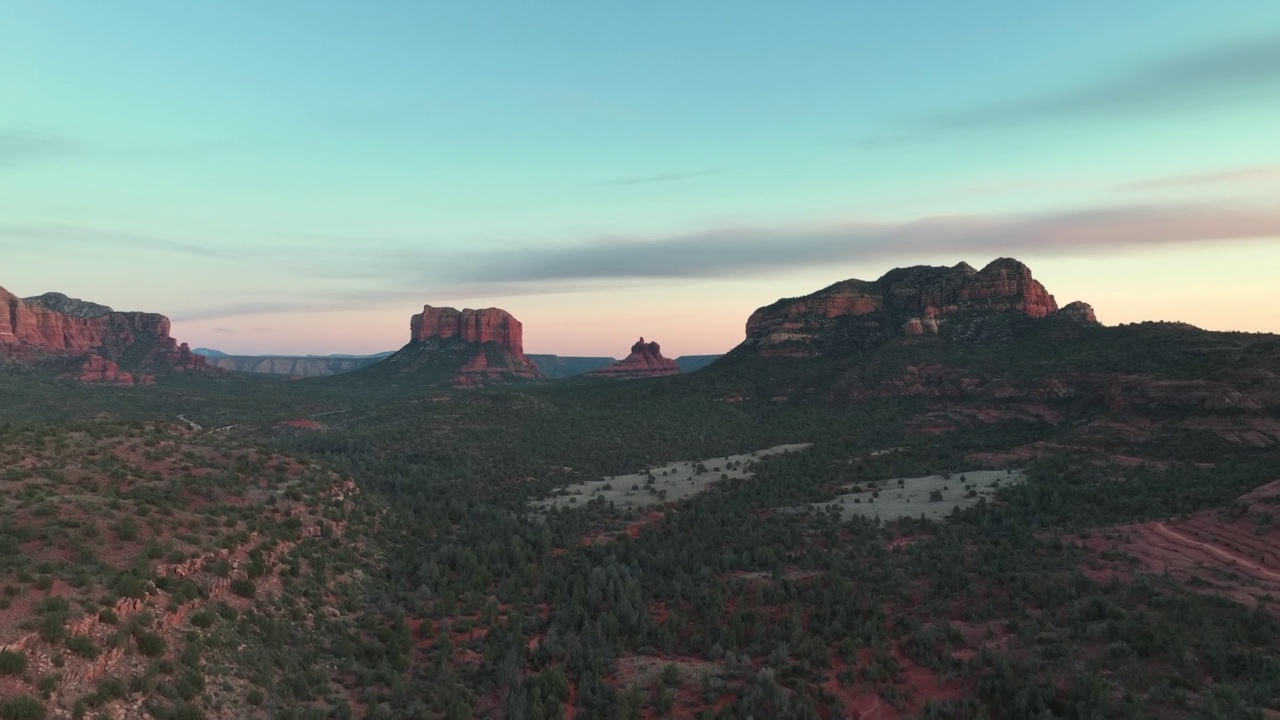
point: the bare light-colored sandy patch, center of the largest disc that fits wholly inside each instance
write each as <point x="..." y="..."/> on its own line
<point x="914" y="497"/>
<point x="672" y="482"/>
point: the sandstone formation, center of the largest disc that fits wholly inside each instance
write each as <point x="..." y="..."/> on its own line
<point x="469" y="347"/>
<point x="645" y="360"/>
<point x="1078" y="312"/>
<point x="99" y="370"/>
<point x="907" y="301"/>
<point x="55" y="327"/>
<point x="489" y="325"/>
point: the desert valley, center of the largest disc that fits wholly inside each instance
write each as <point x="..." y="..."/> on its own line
<point x="941" y="494"/>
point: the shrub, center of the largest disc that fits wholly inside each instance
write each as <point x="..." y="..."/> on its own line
<point x="243" y="587"/>
<point x="203" y="619"/>
<point x="12" y="662"/>
<point x="150" y="644"/>
<point x="127" y="530"/>
<point x="83" y="646"/>
<point x="52" y="626"/>
<point x="54" y="604"/>
<point x="23" y="707"/>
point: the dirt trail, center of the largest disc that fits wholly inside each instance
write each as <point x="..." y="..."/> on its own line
<point x="1217" y="551"/>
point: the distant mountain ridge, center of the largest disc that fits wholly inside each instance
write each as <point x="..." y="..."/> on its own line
<point x="559" y="366"/>
<point x="690" y="363"/>
<point x="293" y="365"/>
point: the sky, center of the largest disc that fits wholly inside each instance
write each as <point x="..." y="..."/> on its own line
<point x="302" y="177"/>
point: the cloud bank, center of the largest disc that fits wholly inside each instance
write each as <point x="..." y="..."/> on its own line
<point x="741" y="251"/>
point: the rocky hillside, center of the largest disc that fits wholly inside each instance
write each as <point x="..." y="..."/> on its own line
<point x="90" y="342"/>
<point x="76" y="307"/>
<point x="645" y="360"/>
<point x="988" y="346"/>
<point x="907" y="301"/>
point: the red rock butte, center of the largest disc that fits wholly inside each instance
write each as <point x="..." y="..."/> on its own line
<point x="471" y="326"/>
<point x="31" y="331"/>
<point x="645" y="360"/>
<point x="497" y="336"/>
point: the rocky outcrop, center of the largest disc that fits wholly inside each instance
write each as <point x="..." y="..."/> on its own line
<point x="645" y="360"/>
<point x="476" y="327"/>
<point x="1078" y="312"/>
<point x="98" y="370"/>
<point x="37" y="330"/>
<point x="485" y="365"/>
<point x="907" y="301"/>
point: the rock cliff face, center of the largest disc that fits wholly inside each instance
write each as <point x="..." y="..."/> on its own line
<point x="907" y="301"/>
<point x="37" y="330"/>
<point x="645" y="360"/>
<point x="489" y="325"/>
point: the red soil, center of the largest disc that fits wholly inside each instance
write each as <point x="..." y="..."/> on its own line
<point x="1220" y="552"/>
<point x="304" y="424"/>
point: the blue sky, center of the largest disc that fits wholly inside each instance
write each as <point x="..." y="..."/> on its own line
<point x="300" y="177"/>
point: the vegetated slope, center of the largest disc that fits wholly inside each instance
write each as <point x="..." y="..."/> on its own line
<point x="751" y="599"/>
<point x="992" y="346"/>
<point x="1233" y="551"/>
<point x="150" y="572"/>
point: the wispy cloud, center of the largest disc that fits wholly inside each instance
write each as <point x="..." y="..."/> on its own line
<point x="414" y="276"/>
<point x="1239" y="70"/>
<point x="17" y="147"/>
<point x="661" y="177"/>
<point x="743" y="251"/>
<point x="406" y="288"/>
<point x="20" y="236"/>
<point x="1257" y="175"/>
